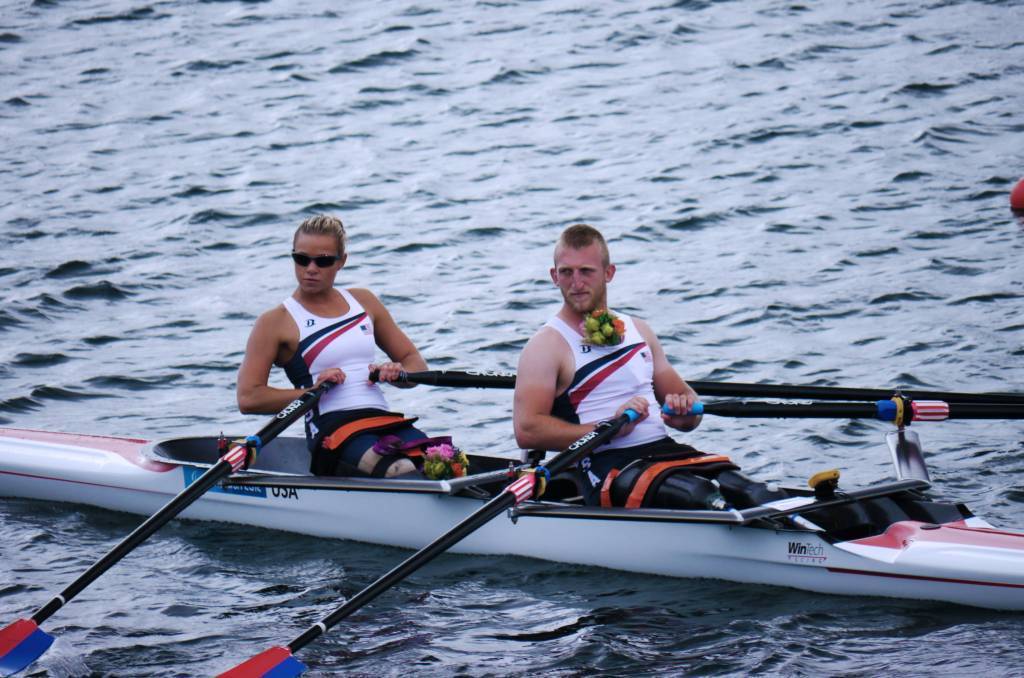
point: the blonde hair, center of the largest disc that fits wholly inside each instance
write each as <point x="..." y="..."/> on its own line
<point x="579" y="236"/>
<point x="322" y="224"/>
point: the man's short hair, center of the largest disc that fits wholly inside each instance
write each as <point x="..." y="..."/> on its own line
<point x="323" y="224"/>
<point x="579" y="236"/>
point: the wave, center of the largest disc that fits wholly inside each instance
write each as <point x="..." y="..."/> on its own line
<point x="134" y="383"/>
<point x="103" y="289"/>
<point x="138" y="14"/>
<point x="384" y="58"/>
<point x="39" y="359"/>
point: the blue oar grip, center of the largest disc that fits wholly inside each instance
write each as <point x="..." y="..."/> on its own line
<point x="632" y="414"/>
<point x="886" y="410"/>
<point x="255" y="442"/>
<point x="698" y="408"/>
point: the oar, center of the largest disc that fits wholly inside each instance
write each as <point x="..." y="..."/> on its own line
<point x="22" y="642"/>
<point x="279" y="661"/>
<point x="885" y="410"/>
<point x="731" y="389"/>
<point x="457" y="379"/>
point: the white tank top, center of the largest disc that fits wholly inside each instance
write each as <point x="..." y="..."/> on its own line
<point x="606" y="377"/>
<point x="344" y="342"/>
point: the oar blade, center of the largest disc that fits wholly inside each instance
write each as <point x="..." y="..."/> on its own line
<point x="21" y="643"/>
<point x="907" y="455"/>
<point x="277" y="662"/>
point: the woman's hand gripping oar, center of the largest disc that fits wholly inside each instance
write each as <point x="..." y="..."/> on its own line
<point x="22" y="642"/>
<point x="279" y="661"/>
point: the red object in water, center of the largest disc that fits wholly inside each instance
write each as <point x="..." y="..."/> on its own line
<point x="1017" y="196"/>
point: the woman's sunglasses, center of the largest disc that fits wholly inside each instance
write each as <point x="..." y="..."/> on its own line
<point x="323" y="261"/>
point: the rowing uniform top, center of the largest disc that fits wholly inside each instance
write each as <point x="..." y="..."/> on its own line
<point x="606" y="377"/>
<point x="344" y="342"/>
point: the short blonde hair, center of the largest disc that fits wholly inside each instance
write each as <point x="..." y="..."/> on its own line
<point x="322" y="224"/>
<point x="579" y="236"/>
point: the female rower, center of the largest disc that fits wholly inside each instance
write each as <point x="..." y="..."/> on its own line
<point x="322" y="333"/>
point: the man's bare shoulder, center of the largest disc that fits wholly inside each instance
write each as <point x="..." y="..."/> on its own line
<point x="645" y="330"/>
<point x="545" y="353"/>
<point x="545" y="339"/>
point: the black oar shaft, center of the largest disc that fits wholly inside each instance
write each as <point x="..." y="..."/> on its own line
<point x="731" y="389"/>
<point x="751" y="410"/>
<point x="457" y="379"/>
<point x="742" y="390"/>
<point x="220" y="470"/>
<point x="179" y="503"/>
<point x="603" y="432"/>
<point x="491" y="509"/>
<point x="985" y="411"/>
<point x="795" y="410"/>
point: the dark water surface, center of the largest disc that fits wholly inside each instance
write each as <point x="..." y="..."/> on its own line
<point x="796" y="193"/>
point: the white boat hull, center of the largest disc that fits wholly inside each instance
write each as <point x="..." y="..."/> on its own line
<point x="966" y="562"/>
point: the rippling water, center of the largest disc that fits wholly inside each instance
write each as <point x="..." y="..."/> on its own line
<point x="795" y="193"/>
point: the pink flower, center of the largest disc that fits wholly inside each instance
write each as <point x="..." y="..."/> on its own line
<point x="444" y="451"/>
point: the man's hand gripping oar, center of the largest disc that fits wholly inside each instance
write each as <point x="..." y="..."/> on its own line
<point x="279" y="662"/>
<point x="22" y="642"/>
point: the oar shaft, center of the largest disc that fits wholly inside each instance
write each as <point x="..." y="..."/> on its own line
<point x="985" y="411"/>
<point x="506" y="499"/>
<point x="220" y="470"/>
<point x="731" y="389"/>
<point x="743" y="390"/>
<point x="457" y="379"/>
<point x="491" y="509"/>
<point x="179" y="503"/>
<point x="885" y="410"/>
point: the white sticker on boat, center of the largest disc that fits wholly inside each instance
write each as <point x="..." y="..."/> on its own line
<point x="806" y="552"/>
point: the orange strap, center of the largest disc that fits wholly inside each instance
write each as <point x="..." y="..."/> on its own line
<point x="346" y="431"/>
<point x="606" y="487"/>
<point x="643" y="483"/>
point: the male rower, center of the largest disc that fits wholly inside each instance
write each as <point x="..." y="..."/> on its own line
<point x="586" y="365"/>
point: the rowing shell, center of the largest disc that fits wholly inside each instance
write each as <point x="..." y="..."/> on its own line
<point x="962" y="560"/>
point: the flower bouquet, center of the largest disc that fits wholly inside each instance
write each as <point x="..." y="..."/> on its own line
<point x="441" y="462"/>
<point x="603" y="328"/>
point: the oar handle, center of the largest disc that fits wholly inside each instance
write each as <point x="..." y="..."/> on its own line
<point x="696" y="409"/>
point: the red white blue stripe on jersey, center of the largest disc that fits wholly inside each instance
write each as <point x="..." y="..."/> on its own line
<point x="599" y="371"/>
<point x="322" y="339"/>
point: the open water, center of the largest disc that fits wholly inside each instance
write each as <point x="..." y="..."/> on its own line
<point x="794" y="193"/>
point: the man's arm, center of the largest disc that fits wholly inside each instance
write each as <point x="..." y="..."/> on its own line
<point x="669" y="388"/>
<point x="542" y="361"/>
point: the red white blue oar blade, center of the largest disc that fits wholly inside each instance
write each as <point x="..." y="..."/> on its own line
<point x="277" y="662"/>
<point x="21" y="643"/>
